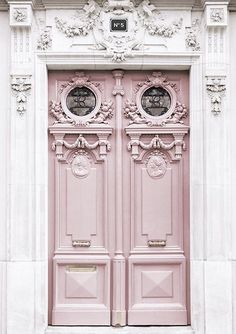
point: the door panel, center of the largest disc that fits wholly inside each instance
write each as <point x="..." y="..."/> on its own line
<point x="74" y="220"/>
<point x="118" y="198"/>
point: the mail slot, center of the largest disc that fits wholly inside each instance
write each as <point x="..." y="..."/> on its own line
<point x="81" y="268"/>
<point x="156" y="243"/>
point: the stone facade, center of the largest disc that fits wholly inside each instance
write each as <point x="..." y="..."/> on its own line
<point x="184" y="34"/>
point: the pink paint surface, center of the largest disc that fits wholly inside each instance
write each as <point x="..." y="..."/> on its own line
<point x="120" y="208"/>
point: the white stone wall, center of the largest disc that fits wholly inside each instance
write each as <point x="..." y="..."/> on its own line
<point x="210" y="53"/>
<point x="4" y="165"/>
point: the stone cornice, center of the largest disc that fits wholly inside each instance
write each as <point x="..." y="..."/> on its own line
<point x="44" y="4"/>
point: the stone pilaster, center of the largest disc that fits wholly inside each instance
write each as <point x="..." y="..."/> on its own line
<point x="217" y="267"/>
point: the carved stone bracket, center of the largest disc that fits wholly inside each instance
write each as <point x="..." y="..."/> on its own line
<point x="21" y="87"/>
<point x="175" y="147"/>
<point x="80" y="142"/>
<point x="216" y="89"/>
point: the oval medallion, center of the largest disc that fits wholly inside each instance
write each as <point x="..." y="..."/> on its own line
<point x="156" y="166"/>
<point x="81" y="165"/>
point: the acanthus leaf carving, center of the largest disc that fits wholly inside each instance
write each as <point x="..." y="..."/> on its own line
<point x="157" y="143"/>
<point x="216" y="89"/>
<point x="21" y="87"/>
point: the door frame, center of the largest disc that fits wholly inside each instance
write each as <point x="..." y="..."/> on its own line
<point x="161" y="61"/>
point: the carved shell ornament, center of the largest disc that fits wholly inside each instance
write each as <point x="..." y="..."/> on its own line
<point x="95" y="19"/>
<point x="156" y="164"/>
<point x="80" y="103"/>
<point x="155" y="103"/>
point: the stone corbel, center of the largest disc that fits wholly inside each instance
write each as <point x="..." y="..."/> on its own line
<point x="21" y="86"/>
<point x="156" y="142"/>
<point x="216" y="89"/>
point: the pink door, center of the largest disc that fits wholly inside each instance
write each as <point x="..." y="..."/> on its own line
<point x="118" y="198"/>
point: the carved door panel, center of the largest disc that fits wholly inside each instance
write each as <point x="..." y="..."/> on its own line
<point x="156" y="165"/>
<point x="118" y="198"/>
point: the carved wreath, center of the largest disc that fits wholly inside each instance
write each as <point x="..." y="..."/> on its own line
<point x="100" y="115"/>
<point x="117" y="46"/>
<point x="134" y="111"/>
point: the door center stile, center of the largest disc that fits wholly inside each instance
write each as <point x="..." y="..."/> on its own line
<point x="119" y="275"/>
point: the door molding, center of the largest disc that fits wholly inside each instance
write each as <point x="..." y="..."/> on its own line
<point x="163" y="61"/>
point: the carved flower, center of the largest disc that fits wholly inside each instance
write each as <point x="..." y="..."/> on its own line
<point x="20" y="15"/>
<point x="45" y="41"/>
<point x="217" y="14"/>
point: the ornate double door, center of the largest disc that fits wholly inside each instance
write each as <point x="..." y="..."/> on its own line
<point x="118" y="198"/>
